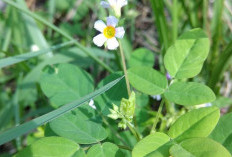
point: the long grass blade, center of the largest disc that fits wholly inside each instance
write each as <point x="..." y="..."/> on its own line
<point x="35" y="35"/>
<point x="216" y="29"/>
<point x="40" y="19"/>
<point x="28" y="126"/>
<point x="160" y="21"/>
<point x="220" y="67"/>
<point x="20" y="58"/>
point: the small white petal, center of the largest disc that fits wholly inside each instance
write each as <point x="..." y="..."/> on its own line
<point x="105" y="4"/>
<point x="122" y="3"/>
<point x="112" y="44"/>
<point x="112" y="21"/>
<point x="99" y="25"/>
<point x="91" y="104"/>
<point x="99" y="40"/>
<point x="120" y="32"/>
<point x="112" y="2"/>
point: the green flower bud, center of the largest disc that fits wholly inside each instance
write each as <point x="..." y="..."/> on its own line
<point x="122" y="124"/>
<point x="127" y="107"/>
<point x="114" y="114"/>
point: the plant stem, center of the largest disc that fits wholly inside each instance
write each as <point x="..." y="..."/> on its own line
<point x="124" y="147"/>
<point x="16" y="111"/>
<point x="112" y="129"/>
<point x="124" y="69"/>
<point x="64" y="34"/>
<point x="134" y="132"/>
<point x="117" y="59"/>
<point x="157" y="117"/>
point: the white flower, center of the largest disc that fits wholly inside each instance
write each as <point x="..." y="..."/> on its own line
<point x="34" y="48"/>
<point x="91" y="104"/>
<point x="116" y="5"/>
<point x="109" y="33"/>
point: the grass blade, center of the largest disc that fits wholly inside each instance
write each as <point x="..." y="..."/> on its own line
<point x="20" y="58"/>
<point x="12" y="3"/>
<point x="175" y="20"/>
<point x="28" y="126"/>
<point x="216" y="29"/>
<point x="160" y="20"/>
<point x="35" y="35"/>
<point x="220" y="67"/>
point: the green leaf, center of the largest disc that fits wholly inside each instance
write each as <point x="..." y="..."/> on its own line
<point x="80" y="153"/>
<point x="65" y="84"/>
<point x="189" y="93"/>
<point x="223" y="131"/>
<point x="147" y="80"/>
<point x="186" y="57"/>
<point x="199" y="147"/>
<point x="222" y="102"/>
<point x="106" y="149"/>
<point x="162" y="151"/>
<point x="196" y="123"/>
<point x="28" y="92"/>
<point x="28" y="126"/>
<point x="50" y="146"/>
<point x="113" y="96"/>
<point x="177" y="151"/>
<point x="149" y="144"/>
<point x="142" y="57"/>
<point x="79" y="130"/>
<point x="23" y="57"/>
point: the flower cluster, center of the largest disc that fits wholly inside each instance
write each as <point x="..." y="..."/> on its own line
<point x="109" y="32"/>
<point x="125" y="112"/>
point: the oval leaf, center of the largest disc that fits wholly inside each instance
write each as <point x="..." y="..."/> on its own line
<point x="106" y="149"/>
<point x="149" y="144"/>
<point x="142" y="57"/>
<point x="196" y="123"/>
<point x="50" y="146"/>
<point x="189" y="93"/>
<point x="81" y="131"/>
<point x="199" y="147"/>
<point x="186" y="57"/>
<point x="147" y="80"/>
<point x="178" y="151"/>
<point x="65" y="83"/>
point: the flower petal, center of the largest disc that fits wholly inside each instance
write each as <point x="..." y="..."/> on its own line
<point x="122" y="3"/>
<point x="99" y="25"/>
<point x="105" y="4"/>
<point x="112" y="21"/>
<point x="112" y="2"/>
<point x="99" y="40"/>
<point x="112" y="44"/>
<point x="120" y="32"/>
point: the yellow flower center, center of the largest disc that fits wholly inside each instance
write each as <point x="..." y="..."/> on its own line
<point x="109" y="32"/>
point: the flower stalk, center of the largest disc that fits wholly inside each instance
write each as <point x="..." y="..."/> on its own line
<point x="124" y="68"/>
<point x="153" y="130"/>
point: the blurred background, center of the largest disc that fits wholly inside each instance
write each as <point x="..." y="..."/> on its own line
<point x="151" y="24"/>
